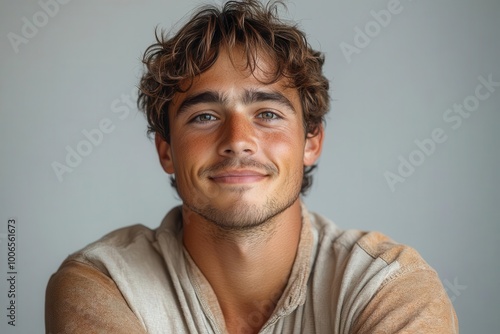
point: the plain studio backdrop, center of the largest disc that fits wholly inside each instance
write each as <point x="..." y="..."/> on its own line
<point x="411" y="140"/>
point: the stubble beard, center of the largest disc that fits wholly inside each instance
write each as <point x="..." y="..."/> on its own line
<point x="242" y="217"/>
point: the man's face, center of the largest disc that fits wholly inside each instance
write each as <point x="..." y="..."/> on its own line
<point x="237" y="146"/>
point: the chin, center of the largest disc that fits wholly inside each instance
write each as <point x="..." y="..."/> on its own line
<point x="242" y="214"/>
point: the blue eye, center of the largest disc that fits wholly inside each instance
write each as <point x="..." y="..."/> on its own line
<point x="268" y="115"/>
<point x="204" y="118"/>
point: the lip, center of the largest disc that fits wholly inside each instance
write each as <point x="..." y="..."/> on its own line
<point x="238" y="176"/>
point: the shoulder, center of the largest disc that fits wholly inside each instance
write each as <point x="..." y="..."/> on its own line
<point x="100" y="288"/>
<point x="117" y="246"/>
<point x="135" y="246"/>
<point x="410" y="298"/>
<point x="383" y="286"/>
<point x="364" y="246"/>
<point x="80" y="298"/>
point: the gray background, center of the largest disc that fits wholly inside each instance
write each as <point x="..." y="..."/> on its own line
<point x="74" y="71"/>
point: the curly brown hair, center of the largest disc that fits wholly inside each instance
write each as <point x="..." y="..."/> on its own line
<point x="173" y="61"/>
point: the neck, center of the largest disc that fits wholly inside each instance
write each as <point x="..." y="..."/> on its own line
<point x="248" y="270"/>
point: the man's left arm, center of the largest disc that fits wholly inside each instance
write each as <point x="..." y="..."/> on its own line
<point x="413" y="302"/>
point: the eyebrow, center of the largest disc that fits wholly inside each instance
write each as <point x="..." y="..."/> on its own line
<point x="249" y="97"/>
<point x="203" y="97"/>
<point x="253" y="96"/>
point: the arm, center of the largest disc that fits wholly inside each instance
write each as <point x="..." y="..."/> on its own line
<point x="413" y="302"/>
<point x="81" y="299"/>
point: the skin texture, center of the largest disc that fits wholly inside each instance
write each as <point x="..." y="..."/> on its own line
<point x="81" y="299"/>
<point x="238" y="149"/>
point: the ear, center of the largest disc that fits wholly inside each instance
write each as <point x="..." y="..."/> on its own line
<point x="164" y="153"/>
<point x="313" y="147"/>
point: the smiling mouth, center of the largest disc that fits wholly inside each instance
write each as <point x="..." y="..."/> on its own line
<point x="238" y="177"/>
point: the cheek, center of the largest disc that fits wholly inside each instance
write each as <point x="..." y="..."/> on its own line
<point x="188" y="155"/>
<point x="285" y="148"/>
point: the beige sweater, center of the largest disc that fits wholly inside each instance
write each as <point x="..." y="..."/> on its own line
<point x="138" y="280"/>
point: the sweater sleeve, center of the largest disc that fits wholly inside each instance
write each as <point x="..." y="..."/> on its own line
<point x="415" y="302"/>
<point x="82" y="299"/>
<point x="411" y="300"/>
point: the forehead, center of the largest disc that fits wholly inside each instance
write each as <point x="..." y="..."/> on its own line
<point x="232" y="76"/>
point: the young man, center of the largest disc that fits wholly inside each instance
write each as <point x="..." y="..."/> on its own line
<point x="236" y="101"/>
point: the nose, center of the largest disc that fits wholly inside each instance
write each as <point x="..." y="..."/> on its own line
<point x="238" y="137"/>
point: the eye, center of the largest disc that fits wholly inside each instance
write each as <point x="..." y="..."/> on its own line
<point x="203" y="118"/>
<point x="268" y="115"/>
